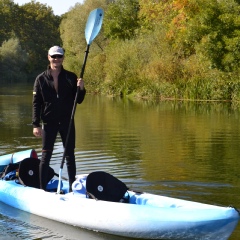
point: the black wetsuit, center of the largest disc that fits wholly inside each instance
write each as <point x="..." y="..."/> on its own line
<point x="53" y="110"/>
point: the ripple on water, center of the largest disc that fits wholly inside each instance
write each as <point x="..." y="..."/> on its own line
<point x="17" y="229"/>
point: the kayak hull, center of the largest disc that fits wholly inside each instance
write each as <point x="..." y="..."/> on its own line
<point x="147" y="216"/>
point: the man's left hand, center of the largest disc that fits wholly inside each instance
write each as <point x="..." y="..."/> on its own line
<point x="80" y="83"/>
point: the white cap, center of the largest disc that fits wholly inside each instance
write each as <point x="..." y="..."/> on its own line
<point x="55" y="50"/>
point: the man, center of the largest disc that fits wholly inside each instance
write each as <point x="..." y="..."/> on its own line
<point x="53" y="99"/>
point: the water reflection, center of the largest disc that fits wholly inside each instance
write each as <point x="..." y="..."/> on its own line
<point x="182" y="149"/>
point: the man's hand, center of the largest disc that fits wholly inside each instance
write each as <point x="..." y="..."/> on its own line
<point x="37" y="132"/>
<point x="80" y="83"/>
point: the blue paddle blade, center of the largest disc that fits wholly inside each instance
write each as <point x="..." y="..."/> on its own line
<point x="93" y="25"/>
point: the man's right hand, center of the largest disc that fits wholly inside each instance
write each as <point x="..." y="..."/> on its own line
<point x="37" y="132"/>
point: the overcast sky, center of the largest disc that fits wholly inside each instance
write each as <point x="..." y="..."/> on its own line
<point x="59" y="6"/>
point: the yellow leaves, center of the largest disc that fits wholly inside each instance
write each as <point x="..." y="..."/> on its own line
<point x="171" y="14"/>
<point x="180" y="4"/>
<point x="154" y="11"/>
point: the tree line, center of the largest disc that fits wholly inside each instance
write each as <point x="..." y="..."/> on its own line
<point x="184" y="49"/>
<point x="26" y="33"/>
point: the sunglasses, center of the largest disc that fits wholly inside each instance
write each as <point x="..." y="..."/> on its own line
<point x="56" y="56"/>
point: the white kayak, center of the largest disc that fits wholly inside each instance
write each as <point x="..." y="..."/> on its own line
<point x="146" y="216"/>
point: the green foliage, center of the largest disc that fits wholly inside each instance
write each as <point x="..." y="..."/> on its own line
<point x="212" y="31"/>
<point x="142" y="67"/>
<point x="95" y="74"/>
<point x="12" y="61"/>
<point x="7" y="10"/>
<point x="121" y="19"/>
<point x="122" y="63"/>
<point x="153" y="13"/>
<point x="185" y="49"/>
<point x="37" y="29"/>
<point x="198" y="45"/>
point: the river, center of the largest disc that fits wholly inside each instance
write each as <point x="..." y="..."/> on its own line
<point x="188" y="150"/>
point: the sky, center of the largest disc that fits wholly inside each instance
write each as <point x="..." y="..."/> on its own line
<point x="59" y="6"/>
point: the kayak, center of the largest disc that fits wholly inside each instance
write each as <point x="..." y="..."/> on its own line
<point x="145" y="216"/>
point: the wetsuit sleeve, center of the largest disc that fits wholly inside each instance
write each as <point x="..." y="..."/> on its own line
<point x="37" y="104"/>
<point x="81" y="95"/>
<point x="73" y="81"/>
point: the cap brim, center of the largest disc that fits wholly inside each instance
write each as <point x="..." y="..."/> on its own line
<point x="56" y="54"/>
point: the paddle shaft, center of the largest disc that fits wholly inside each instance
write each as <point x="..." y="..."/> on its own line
<point x="92" y="29"/>
<point x="57" y="175"/>
<point x="74" y="108"/>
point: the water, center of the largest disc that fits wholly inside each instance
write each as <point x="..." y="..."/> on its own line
<point x="185" y="150"/>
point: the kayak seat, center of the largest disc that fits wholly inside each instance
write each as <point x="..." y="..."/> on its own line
<point x="28" y="172"/>
<point x="103" y="186"/>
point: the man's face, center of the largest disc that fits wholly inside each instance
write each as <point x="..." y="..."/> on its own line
<point x="56" y="60"/>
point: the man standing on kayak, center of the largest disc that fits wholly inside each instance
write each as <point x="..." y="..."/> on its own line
<point x="53" y="99"/>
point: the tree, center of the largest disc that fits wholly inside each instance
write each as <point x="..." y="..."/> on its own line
<point x="154" y="13"/>
<point x="210" y="29"/>
<point x="13" y="61"/>
<point x="7" y="8"/>
<point x="215" y="32"/>
<point x="37" y="29"/>
<point x="121" y="19"/>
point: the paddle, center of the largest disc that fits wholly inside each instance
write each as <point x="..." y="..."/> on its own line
<point x="92" y="29"/>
